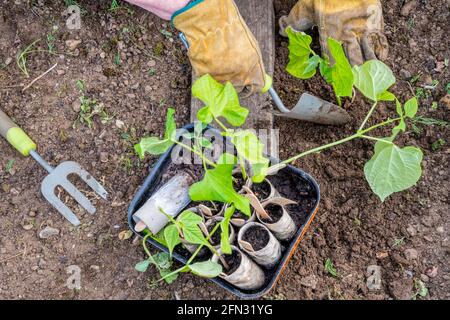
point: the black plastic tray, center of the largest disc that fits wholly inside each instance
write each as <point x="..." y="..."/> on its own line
<point x="154" y="178"/>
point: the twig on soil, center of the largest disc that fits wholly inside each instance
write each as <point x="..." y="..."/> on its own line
<point x="36" y="79"/>
<point x="12" y="86"/>
<point x="14" y="256"/>
<point x="410" y="88"/>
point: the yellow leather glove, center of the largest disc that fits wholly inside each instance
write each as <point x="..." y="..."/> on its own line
<point x="358" y="24"/>
<point x="221" y="44"/>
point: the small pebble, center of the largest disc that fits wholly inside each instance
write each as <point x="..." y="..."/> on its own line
<point x="432" y="272"/>
<point x="48" y="232"/>
<point x="103" y="157"/>
<point x="411" y="254"/>
<point x="411" y="231"/>
<point x="424" y="278"/>
<point x="72" y="44"/>
<point x="27" y="226"/>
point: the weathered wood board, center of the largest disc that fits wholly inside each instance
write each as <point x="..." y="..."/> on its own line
<point x="259" y="15"/>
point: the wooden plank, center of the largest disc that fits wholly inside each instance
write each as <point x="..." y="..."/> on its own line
<point x="259" y="16"/>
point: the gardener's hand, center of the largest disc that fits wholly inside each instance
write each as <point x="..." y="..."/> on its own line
<point x="358" y="24"/>
<point x="221" y="44"/>
<point x="162" y="8"/>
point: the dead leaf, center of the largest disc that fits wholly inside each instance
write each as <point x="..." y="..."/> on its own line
<point x="246" y="246"/>
<point x="381" y="255"/>
<point x="125" y="235"/>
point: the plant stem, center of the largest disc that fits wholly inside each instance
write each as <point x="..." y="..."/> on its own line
<point x="376" y="139"/>
<point x="147" y="251"/>
<point x="326" y="146"/>
<point x="368" y="116"/>
<point x="242" y="163"/>
<point x="224" y="128"/>
<point x="359" y="134"/>
<point x="339" y="100"/>
<point x="201" y="155"/>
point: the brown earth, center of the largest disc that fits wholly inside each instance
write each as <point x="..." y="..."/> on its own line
<point x="133" y="65"/>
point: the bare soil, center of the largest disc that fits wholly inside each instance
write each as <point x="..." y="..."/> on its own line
<point x="133" y="65"/>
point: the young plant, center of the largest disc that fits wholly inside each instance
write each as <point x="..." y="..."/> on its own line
<point x="303" y="63"/>
<point x="89" y="108"/>
<point x="391" y="169"/>
<point x="187" y="226"/>
<point x="162" y="261"/>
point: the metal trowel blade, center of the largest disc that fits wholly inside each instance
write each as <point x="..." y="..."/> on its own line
<point x="313" y="109"/>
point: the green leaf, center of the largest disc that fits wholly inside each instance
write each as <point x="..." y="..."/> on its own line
<point x="189" y="218"/>
<point x="329" y="267"/>
<point x="193" y="234"/>
<point x="220" y="101"/>
<point x="393" y="169"/>
<point x="171" y="126"/>
<point x="206" y="269"/>
<point x="217" y="185"/>
<point x="162" y="260"/>
<point x="373" y="78"/>
<point x="300" y="64"/>
<point x="204" y="115"/>
<point x="400" y="127"/>
<point x="169" y="279"/>
<point x="152" y="145"/>
<point x="205" y="143"/>
<point x="386" y="96"/>
<point x="159" y="237"/>
<point x="399" y="108"/>
<point x="251" y="149"/>
<point x="225" y="235"/>
<point x="142" y="266"/>
<point x="341" y="71"/>
<point x="172" y="237"/>
<point x="411" y="107"/>
<point x="325" y="70"/>
<point x="156" y="146"/>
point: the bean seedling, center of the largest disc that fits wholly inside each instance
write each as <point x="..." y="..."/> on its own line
<point x="303" y="63"/>
<point x="391" y="169"/>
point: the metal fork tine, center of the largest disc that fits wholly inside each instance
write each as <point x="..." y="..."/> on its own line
<point x="49" y="194"/>
<point x="87" y="178"/>
<point x="78" y="196"/>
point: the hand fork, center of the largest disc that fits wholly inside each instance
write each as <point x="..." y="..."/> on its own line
<point x="57" y="176"/>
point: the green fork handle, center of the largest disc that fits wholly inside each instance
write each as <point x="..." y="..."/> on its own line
<point x="15" y="135"/>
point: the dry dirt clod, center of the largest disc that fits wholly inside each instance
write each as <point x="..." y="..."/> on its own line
<point x="48" y="232"/>
<point x="408" y="7"/>
<point x="72" y="44"/>
<point x="309" y="282"/>
<point x="104" y="157"/>
<point x="411" y="254"/>
<point x="432" y="271"/>
<point x="411" y="231"/>
<point x="76" y="106"/>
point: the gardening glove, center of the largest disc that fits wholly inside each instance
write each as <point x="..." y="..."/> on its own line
<point x="162" y="8"/>
<point x="221" y="44"/>
<point x="358" y="24"/>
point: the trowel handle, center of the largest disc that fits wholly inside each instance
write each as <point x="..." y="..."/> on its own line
<point x="15" y="135"/>
<point x="277" y="100"/>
